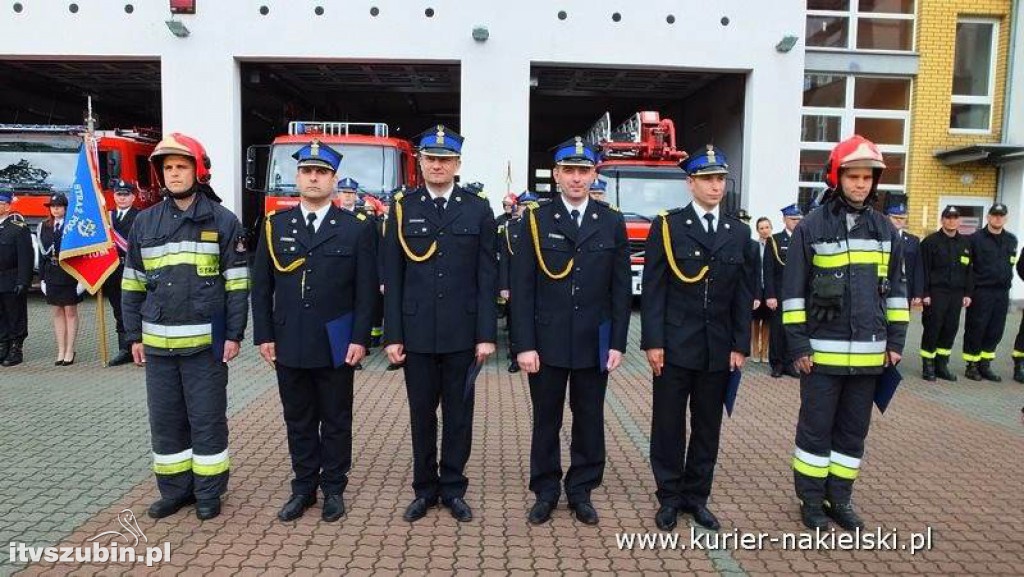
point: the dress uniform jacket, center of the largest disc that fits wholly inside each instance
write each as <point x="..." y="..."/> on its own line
<point x="508" y="242"/>
<point x="561" y="318"/>
<point x="338" y="276"/>
<point x="49" y="267"/>
<point x="439" y="295"/>
<point x="913" y="266"/>
<point x="15" y="255"/>
<point x="112" y="286"/>
<point x="775" y="251"/>
<point x="698" y="323"/>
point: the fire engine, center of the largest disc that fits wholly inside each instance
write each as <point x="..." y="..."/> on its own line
<point x="640" y="163"/>
<point x="37" y="161"/>
<point x="379" y="162"/>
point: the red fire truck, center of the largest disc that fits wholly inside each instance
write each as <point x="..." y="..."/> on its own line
<point x="640" y="163"/>
<point x="37" y="161"/>
<point x="378" y="162"/>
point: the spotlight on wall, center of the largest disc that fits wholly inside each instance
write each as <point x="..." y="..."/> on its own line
<point x="481" y="33"/>
<point x="177" y="28"/>
<point x="787" y="43"/>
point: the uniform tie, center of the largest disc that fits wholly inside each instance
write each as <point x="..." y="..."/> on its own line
<point x="711" y="223"/>
<point x="439" y="203"/>
<point x="575" y="214"/>
<point x="310" y="219"/>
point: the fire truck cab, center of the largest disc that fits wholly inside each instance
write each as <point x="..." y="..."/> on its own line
<point x="640" y="164"/>
<point x="37" y="161"/>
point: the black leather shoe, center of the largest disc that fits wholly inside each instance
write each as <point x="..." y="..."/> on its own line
<point x="666" y="517"/>
<point x="513" y="367"/>
<point x="295" y="507"/>
<point x="358" y="367"/>
<point x="459" y="509"/>
<point x="540" y="513"/>
<point x="334" y="508"/>
<point x="418" y="508"/>
<point x="167" y="507"/>
<point x="704" y="517"/>
<point x="393" y="366"/>
<point x="207" y="509"/>
<point x="813" y="516"/>
<point x="121" y="358"/>
<point x="844" y="515"/>
<point x="776" y="371"/>
<point x="585" y="512"/>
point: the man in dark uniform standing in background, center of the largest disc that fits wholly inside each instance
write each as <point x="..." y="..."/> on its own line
<point x="699" y="275"/>
<point x="949" y="284"/>
<point x="913" y="269"/>
<point x="440" y="315"/>
<point x="15" y="278"/>
<point x="994" y="254"/>
<point x="314" y="284"/>
<point x="570" y="314"/>
<point x="508" y="243"/>
<point x="774" y="267"/>
<point x="121" y="218"/>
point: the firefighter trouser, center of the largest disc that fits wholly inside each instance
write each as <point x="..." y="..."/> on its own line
<point x="835" y="413"/>
<point x="187" y="398"/>
<point x="986" y="319"/>
<point x="940" y="322"/>
<point x="1018" y="343"/>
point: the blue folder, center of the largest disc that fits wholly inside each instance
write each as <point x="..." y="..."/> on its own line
<point x="885" y="388"/>
<point x="731" y="389"/>
<point x="339" y="336"/>
<point x="604" y="344"/>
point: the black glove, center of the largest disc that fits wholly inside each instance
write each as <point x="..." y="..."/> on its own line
<point x="827" y="297"/>
<point x="19" y="289"/>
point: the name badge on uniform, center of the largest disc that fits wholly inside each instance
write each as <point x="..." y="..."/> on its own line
<point x="417" y="220"/>
<point x="208" y="236"/>
<point x="554" y="235"/>
<point x="286" y="239"/>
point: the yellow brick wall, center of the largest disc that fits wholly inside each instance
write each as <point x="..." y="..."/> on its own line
<point x="927" y="178"/>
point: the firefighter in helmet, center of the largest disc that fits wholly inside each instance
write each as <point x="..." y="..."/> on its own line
<point x="185" y="291"/>
<point x="845" y="311"/>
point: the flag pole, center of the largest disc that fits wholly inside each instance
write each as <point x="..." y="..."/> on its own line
<point x="101" y="316"/>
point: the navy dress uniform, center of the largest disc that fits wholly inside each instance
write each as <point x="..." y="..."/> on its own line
<point x="121" y="221"/>
<point x="949" y="277"/>
<point x="15" y="278"/>
<point x="441" y="278"/>
<point x="185" y="291"/>
<point x="698" y="286"/>
<point x="913" y="267"/>
<point x="845" y="310"/>
<point x="60" y="288"/>
<point x="571" y="297"/>
<point x="309" y="276"/>
<point x="509" y="235"/>
<point x="775" y="255"/>
<point x="995" y="254"/>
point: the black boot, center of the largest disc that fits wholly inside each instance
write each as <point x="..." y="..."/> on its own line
<point x="13" y="355"/>
<point x="928" y="369"/>
<point x="844" y="515"/>
<point x="942" y="369"/>
<point x="985" y="370"/>
<point x="972" y="372"/>
<point x="5" y="347"/>
<point x="1018" y="370"/>
<point x="813" y="515"/>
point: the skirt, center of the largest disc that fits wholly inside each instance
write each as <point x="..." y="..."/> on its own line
<point x="62" y="295"/>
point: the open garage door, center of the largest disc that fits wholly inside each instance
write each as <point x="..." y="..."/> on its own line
<point x="369" y="110"/>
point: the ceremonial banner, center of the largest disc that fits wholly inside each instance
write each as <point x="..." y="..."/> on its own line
<point x="86" y="250"/>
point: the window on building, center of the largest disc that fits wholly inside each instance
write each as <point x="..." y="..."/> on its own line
<point x="837" y="106"/>
<point x="974" y="75"/>
<point x="886" y="25"/>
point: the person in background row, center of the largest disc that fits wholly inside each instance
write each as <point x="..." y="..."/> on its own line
<point x="760" y="328"/>
<point x="1018" y="343"/>
<point x="508" y="242"/>
<point x="913" y="267"/>
<point x="949" y="283"/>
<point x="15" y="278"/>
<point x="776" y="253"/>
<point x="63" y="292"/>
<point x="995" y="252"/>
<point x="121" y="219"/>
<point x="598" y="190"/>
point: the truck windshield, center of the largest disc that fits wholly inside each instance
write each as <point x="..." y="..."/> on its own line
<point x="374" y="167"/>
<point x="38" y="164"/>
<point x="645" y="191"/>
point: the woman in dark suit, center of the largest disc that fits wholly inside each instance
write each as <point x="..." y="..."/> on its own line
<point x="762" y="314"/>
<point x="61" y="289"/>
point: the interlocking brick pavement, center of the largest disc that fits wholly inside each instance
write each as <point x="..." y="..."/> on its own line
<point x="76" y="451"/>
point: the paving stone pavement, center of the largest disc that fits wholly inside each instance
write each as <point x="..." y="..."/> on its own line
<point x="75" y="446"/>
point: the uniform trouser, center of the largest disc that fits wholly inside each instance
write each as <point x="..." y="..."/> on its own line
<point x="431" y="379"/>
<point x="940" y="321"/>
<point x="378" y="316"/>
<point x="112" y="290"/>
<point x="684" y="472"/>
<point x="187" y="398"/>
<point x="835" y="413"/>
<point x="13" y="317"/>
<point x="986" y="319"/>
<point x="776" y="338"/>
<point x="511" y="334"/>
<point x="318" y="415"/>
<point x="586" y="450"/>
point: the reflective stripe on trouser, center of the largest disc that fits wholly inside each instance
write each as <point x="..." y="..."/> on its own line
<point x="940" y="321"/>
<point x="985" y="322"/>
<point x="835" y="414"/>
<point x="187" y="400"/>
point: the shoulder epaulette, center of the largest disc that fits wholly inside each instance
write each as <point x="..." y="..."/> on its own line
<point x="271" y="213"/>
<point x="482" y="195"/>
<point x="360" y="216"/>
<point x="18" y="222"/>
<point x="398" y="196"/>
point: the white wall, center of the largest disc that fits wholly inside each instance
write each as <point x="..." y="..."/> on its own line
<point x="200" y="73"/>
